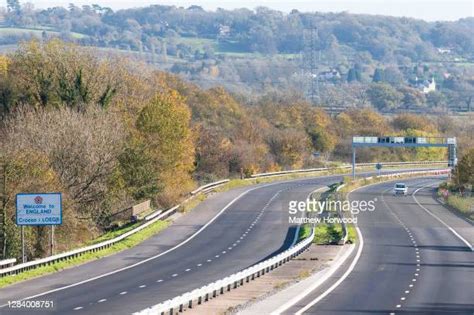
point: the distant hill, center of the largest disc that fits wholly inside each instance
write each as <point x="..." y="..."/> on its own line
<point x="263" y="50"/>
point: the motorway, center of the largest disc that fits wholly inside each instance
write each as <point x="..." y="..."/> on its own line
<point x="233" y="230"/>
<point x="415" y="259"/>
<point x="250" y="229"/>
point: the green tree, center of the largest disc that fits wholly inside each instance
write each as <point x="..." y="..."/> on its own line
<point x="354" y="75"/>
<point x="379" y="76"/>
<point x="14" y="12"/>
<point x="57" y="74"/>
<point x="321" y="140"/>
<point x="412" y="98"/>
<point x="436" y="99"/>
<point x="464" y="171"/>
<point x="384" y="97"/>
<point x="13" y="6"/>
<point x="138" y="172"/>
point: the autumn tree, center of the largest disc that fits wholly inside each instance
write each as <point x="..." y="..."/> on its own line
<point x="463" y="173"/>
<point x="414" y="122"/>
<point x="212" y="154"/>
<point x="384" y="97"/>
<point x="289" y="146"/>
<point x="137" y="172"/>
<point x="81" y="148"/>
<point x="164" y="124"/>
<point x="58" y="74"/>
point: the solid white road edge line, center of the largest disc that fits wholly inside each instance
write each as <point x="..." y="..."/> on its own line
<point x="150" y="258"/>
<point x="169" y="250"/>
<point x="331" y="270"/>
<point x="441" y="221"/>
<point x="334" y="268"/>
<point x="346" y="274"/>
<point x="338" y="282"/>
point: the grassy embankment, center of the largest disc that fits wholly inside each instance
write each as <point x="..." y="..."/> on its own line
<point x="57" y="266"/>
<point x="463" y="205"/>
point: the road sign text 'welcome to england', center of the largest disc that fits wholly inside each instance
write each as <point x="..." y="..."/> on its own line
<point x="39" y="209"/>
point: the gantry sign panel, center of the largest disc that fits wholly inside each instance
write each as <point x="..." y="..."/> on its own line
<point x="406" y="142"/>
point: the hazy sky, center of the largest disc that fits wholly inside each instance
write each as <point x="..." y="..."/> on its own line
<point x="424" y="9"/>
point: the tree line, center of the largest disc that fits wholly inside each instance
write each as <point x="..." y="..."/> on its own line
<point x="380" y="61"/>
<point x="261" y="30"/>
<point x="109" y="132"/>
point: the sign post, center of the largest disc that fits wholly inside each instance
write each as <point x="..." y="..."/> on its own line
<point x="378" y="166"/>
<point x="23" y="257"/>
<point x="51" y="242"/>
<point x="38" y="209"/>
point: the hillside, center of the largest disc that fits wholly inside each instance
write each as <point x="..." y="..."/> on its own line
<point x="336" y="60"/>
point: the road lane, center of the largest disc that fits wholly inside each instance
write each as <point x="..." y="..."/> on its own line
<point x="250" y="230"/>
<point x="410" y="263"/>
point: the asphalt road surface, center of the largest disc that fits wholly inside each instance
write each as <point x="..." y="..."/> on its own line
<point x="251" y="229"/>
<point x="415" y="259"/>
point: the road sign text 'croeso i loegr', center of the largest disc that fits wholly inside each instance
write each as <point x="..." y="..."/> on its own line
<point x="39" y="209"/>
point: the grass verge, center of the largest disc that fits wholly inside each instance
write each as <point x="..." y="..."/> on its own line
<point x="328" y="234"/>
<point x="57" y="266"/>
<point x="463" y="205"/>
<point x="113" y="234"/>
<point x="305" y="231"/>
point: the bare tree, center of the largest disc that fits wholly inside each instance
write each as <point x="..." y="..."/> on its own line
<point x="82" y="148"/>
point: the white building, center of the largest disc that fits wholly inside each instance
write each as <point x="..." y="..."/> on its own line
<point x="426" y="86"/>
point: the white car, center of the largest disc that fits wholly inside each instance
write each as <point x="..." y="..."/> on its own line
<point x="400" y="189"/>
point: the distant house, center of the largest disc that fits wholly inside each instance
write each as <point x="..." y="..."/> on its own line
<point x="224" y="30"/>
<point x="444" y="50"/>
<point x="332" y="74"/>
<point x="425" y="86"/>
